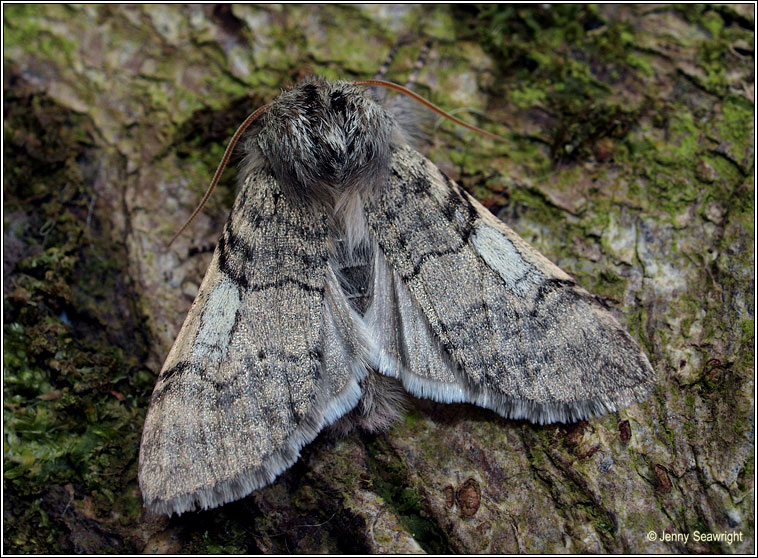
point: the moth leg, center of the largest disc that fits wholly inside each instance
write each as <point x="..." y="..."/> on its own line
<point x="423" y="55"/>
<point x="417" y="66"/>
<point x="384" y="68"/>
<point x="415" y="122"/>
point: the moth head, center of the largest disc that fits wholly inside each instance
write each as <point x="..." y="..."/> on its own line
<point x="322" y="139"/>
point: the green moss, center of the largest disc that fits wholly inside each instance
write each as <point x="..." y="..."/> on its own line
<point x="682" y="138"/>
<point x="224" y="531"/>
<point x="727" y="171"/>
<point x="552" y="57"/>
<point x="210" y="544"/>
<point x="25" y="26"/>
<point x="43" y="536"/>
<point x="538" y="458"/>
<point x="661" y="399"/>
<point x="343" y="51"/>
<point x="390" y="481"/>
<point x="736" y="127"/>
<point x="713" y="52"/>
<point x="713" y="22"/>
<point x="74" y="402"/>
<point x="528" y="96"/>
<point x="610" y="284"/>
<point x="413" y="419"/>
<point x="601" y="520"/>
<point x="747" y="474"/>
<point x="747" y="325"/>
<point x="668" y="168"/>
<point x="536" y="202"/>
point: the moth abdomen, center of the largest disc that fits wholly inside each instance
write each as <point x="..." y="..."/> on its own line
<point x="353" y="268"/>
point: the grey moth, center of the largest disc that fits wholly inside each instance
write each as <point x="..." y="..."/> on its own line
<point x="351" y="270"/>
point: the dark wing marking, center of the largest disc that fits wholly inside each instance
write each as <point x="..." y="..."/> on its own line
<point x="269" y="354"/>
<point x="465" y="310"/>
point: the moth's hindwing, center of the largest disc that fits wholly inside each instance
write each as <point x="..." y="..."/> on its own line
<point x="269" y="354"/>
<point x="465" y="310"/>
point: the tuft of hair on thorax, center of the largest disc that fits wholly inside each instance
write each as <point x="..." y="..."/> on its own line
<point x="328" y="142"/>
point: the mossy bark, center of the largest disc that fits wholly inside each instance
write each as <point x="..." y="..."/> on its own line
<point x="629" y="163"/>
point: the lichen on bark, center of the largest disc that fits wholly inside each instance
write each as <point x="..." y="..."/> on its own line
<point x="629" y="163"/>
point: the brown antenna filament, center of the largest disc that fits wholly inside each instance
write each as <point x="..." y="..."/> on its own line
<point x="427" y="104"/>
<point x="250" y="119"/>
<point x="222" y="165"/>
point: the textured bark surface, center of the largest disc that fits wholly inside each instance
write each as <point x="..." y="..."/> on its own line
<point x="629" y="164"/>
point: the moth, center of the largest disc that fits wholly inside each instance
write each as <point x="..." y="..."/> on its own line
<point x="350" y="269"/>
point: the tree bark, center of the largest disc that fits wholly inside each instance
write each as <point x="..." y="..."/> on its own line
<point x="629" y="164"/>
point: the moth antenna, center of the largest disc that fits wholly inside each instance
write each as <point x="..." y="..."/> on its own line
<point x="222" y="165"/>
<point x="429" y="105"/>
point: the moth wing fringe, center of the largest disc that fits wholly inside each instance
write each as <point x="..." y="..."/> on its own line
<point x="479" y="254"/>
<point x="246" y="482"/>
<point x="240" y="395"/>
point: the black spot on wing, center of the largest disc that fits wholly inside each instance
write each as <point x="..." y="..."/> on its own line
<point x="431" y="254"/>
<point x="458" y="208"/>
<point x="286" y="281"/>
<point x="168" y="381"/>
<point x="411" y="184"/>
<point x="226" y="248"/>
<point x="177" y="369"/>
<point x="563" y="288"/>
